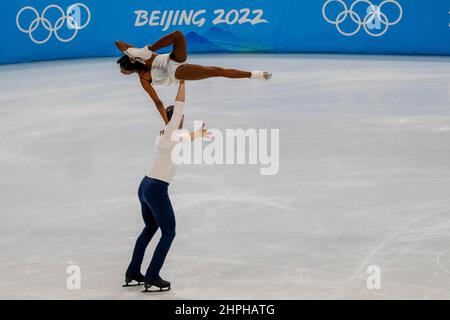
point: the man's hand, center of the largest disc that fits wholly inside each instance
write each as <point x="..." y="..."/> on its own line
<point x="201" y="133"/>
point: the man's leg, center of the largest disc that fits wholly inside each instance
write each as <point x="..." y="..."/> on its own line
<point x="165" y="217"/>
<point x="143" y="240"/>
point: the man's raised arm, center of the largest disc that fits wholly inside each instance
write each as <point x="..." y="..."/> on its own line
<point x="181" y="92"/>
<point x="178" y="110"/>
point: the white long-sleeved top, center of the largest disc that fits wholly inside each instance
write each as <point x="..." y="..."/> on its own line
<point x="163" y="167"/>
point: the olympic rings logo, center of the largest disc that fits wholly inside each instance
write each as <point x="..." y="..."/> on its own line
<point x="374" y="18"/>
<point x="71" y="18"/>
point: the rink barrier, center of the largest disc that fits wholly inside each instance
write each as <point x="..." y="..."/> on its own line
<point x="61" y="29"/>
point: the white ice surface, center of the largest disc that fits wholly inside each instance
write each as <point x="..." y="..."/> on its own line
<point x="364" y="180"/>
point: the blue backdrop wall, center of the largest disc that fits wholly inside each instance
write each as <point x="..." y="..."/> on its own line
<point x="56" y="29"/>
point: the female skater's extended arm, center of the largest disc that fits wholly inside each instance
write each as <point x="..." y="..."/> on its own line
<point x="158" y="103"/>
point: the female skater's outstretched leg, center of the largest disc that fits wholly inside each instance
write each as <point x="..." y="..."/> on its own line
<point x="197" y="72"/>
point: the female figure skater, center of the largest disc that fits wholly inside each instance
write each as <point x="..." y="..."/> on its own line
<point x="168" y="69"/>
<point x="157" y="210"/>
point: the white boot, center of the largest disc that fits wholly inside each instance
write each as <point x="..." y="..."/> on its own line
<point x="139" y="53"/>
<point x="261" y="75"/>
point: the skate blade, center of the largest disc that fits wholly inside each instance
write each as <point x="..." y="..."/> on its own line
<point x="156" y="290"/>
<point x="126" y="285"/>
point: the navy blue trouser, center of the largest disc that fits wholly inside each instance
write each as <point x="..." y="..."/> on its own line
<point x="157" y="212"/>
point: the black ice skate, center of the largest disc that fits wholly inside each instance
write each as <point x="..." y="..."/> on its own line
<point x="159" y="283"/>
<point x="130" y="277"/>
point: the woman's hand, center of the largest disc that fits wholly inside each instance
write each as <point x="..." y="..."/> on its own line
<point x="122" y="46"/>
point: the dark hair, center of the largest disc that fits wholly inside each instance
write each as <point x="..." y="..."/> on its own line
<point x="126" y="63"/>
<point x="169" y="112"/>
